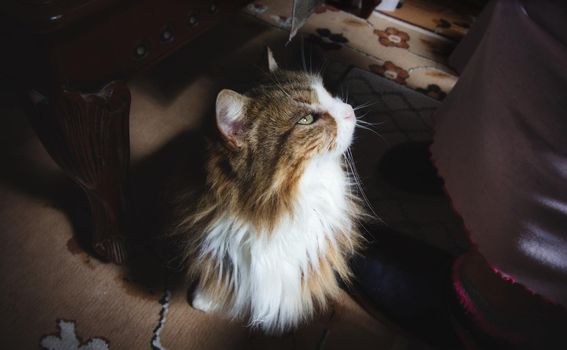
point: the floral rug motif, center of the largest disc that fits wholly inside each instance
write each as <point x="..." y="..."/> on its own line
<point x="399" y="117"/>
<point x="67" y="339"/>
<point x="105" y="310"/>
<point x="451" y="19"/>
<point x="387" y="44"/>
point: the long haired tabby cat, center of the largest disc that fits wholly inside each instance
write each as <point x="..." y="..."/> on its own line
<point x="278" y="218"/>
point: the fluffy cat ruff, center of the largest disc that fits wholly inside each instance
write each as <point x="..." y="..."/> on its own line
<point x="278" y="219"/>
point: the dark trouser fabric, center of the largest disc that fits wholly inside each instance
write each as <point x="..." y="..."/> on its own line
<point x="501" y="145"/>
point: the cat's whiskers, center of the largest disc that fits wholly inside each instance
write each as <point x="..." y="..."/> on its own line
<point x="364" y="122"/>
<point x="366" y="105"/>
<point x="357" y="125"/>
<point x="343" y="95"/>
<point x="358" y="183"/>
<point x="302" y="53"/>
<point x="367" y="128"/>
<point x="361" y="117"/>
<point x="278" y="84"/>
<point x="323" y="67"/>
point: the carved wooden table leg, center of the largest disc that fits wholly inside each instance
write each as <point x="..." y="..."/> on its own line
<point x="88" y="136"/>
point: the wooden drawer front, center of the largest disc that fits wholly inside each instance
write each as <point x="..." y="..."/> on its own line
<point x="121" y="41"/>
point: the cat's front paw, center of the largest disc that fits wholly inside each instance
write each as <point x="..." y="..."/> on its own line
<point x="202" y="302"/>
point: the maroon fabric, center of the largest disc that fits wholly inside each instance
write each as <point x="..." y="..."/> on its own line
<point x="501" y="145"/>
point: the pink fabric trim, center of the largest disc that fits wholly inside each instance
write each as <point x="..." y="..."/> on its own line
<point x="508" y="278"/>
<point x="474" y="247"/>
<point x="471" y="309"/>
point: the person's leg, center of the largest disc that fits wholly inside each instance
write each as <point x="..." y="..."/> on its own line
<point x="550" y="15"/>
<point x="501" y="150"/>
<point x="502" y="311"/>
<point x="500" y="147"/>
<point x="407" y="281"/>
<point x="447" y="301"/>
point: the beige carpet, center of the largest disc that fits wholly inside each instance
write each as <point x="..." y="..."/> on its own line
<point x="54" y="293"/>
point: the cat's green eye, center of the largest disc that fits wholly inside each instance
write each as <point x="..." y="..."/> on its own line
<point x="308" y="119"/>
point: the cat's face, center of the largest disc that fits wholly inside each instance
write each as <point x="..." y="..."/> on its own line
<point x="280" y="137"/>
<point x="292" y="117"/>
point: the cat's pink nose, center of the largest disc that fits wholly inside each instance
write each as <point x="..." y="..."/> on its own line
<point x="349" y="114"/>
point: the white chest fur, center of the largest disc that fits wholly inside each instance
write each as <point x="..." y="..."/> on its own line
<point x="267" y="268"/>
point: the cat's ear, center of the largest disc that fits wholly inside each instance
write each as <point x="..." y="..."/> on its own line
<point x="272" y="64"/>
<point x="230" y="109"/>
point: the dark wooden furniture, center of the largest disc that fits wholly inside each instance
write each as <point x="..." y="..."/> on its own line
<point x="360" y="8"/>
<point x="71" y="58"/>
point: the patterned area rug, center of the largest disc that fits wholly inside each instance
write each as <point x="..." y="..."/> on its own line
<point x="451" y="19"/>
<point x="56" y="295"/>
<point x="409" y="46"/>
<point x="393" y="167"/>
<point x="396" y="116"/>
